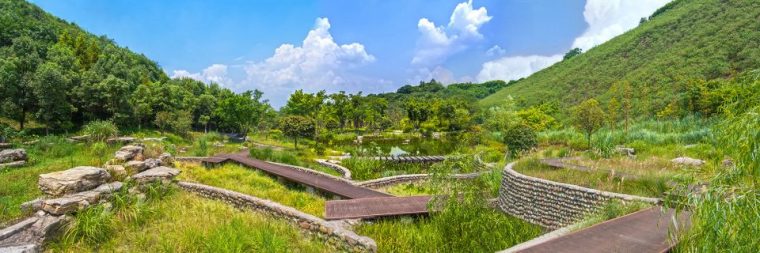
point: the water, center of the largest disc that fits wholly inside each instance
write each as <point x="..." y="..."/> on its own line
<point x="403" y="146"/>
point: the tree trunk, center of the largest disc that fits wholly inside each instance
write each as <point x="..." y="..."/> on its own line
<point x="296" y="141"/>
<point x="588" y="137"/>
<point x="21" y="119"/>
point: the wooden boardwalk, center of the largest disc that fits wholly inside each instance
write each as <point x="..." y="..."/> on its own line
<point x="323" y="183"/>
<point x="376" y="207"/>
<point x="642" y="231"/>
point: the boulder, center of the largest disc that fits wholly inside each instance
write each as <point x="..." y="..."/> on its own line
<point x="688" y="161"/>
<point x="12" y="164"/>
<point x="5" y="145"/>
<point x="128" y="152"/>
<point x="159" y="174"/>
<point x="11" y="155"/>
<point x="728" y="163"/>
<point x="74" y="180"/>
<point x="152" y="163"/>
<point x="160" y="139"/>
<point x="70" y="203"/>
<point x="134" y="167"/>
<point x="626" y="151"/>
<point x="109" y="188"/>
<point x="32" y="205"/>
<point x="121" y="140"/>
<point x="166" y="159"/>
<point x="25" y="248"/>
<point x="116" y="170"/>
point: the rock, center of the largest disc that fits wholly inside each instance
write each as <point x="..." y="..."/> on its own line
<point x="116" y="170"/>
<point x="134" y="167"/>
<point x="152" y="163"/>
<point x="70" y="203"/>
<point x="32" y="205"/>
<point x="626" y="151"/>
<point x="80" y="138"/>
<point x="121" y="140"/>
<point x="5" y="145"/>
<point x="109" y="187"/>
<point x="74" y="180"/>
<point x="15" y="164"/>
<point x="159" y="174"/>
<point x="48" y="227"/>
<point x="128" y="152"/>
<point x="11" y="155"/>
<point x="160" y="139"/>
<point x="26" y="248"/>
<point x="166" y="159"/>
<point x="688" y="161"/>
<point x="728" y="163"/>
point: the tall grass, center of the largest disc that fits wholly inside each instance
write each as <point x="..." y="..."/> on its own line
<point x="255" y="183"/>
<point x="100" y="130"/>
<point x="182" y="222"/>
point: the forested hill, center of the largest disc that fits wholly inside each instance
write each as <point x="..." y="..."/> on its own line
<point x="59" y="76"/>
<point x="678" y="50"/>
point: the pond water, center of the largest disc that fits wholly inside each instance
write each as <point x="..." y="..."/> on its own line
<point x="403" y="146"/>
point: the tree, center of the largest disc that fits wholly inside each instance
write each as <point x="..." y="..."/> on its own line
<point x="613" y="112"/>
<point x="588" y="116"/>
<point x="519" y="138"/>
<point x="141" y="104"/>
<point x="17" y="74"/>
<point x="240" y="111"/>
<point x="572" y="53"/>
<point x="49" y="87"/>
<point x="295" y="127"/>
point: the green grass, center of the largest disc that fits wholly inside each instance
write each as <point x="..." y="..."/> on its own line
<point x="255" y="183"/>
<point x="366" y="169"/>
<point x="48" y="155"/>
<point x="650" y="186"/>
<point x="182" y="222"/>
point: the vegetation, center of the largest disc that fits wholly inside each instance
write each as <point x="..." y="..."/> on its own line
<point x="199" y="226"/>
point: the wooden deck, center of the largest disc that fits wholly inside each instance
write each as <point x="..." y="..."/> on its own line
<point x="642" y="231"/>
<point x="323" y="183"/>
<point x="376" y="207"/>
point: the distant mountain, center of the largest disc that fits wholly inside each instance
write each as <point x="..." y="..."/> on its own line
<point x="682" y="41"/>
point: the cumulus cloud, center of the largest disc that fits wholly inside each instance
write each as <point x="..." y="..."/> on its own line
<point x="609" y="18"/>
<point x="215" y="73"/>
<point x="440" y="74"/>
<point x="605" y="18"/>
<point x="496" y="50"/>
<point x="437" y="43"/>
<point x="318" y="62"/>
<point x="515" y="67"/>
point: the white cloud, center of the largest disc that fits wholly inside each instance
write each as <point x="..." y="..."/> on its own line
<point x="605" y="18"/>
<point x="515" y="67"/>
<point x="215" y="73"/>
<point x="609" y="18"/>
<point x="439" y="73"/>
<point x="437" y="43"/>
<point x="496" y="50"/>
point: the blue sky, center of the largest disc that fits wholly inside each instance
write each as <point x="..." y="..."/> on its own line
<point x="370" y="45"/>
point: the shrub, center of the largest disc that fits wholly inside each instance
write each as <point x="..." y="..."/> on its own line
<point x="519" y="138"/>
<point x="101" y="130"/>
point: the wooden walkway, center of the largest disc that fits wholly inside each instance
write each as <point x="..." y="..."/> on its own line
<point x="376" y="207"/>
<point x="330" y="185"/>
<point x="411" y="159"/>
<point x="642" y="231"/>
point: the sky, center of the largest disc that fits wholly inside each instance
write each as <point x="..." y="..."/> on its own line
<point x="278" y="46"/>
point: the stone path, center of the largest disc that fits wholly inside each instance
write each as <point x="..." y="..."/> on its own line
<point x="642" y="231"/>
<point x="341" y="188"/>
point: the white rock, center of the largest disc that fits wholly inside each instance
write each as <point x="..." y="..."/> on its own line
<point x="688" y="161"/>
<point x="11" y="155"/>
<point x="70" y="203"/>
<point x="158" y="174"/>
<point x="128" y="152"/>
<point x="73" y="180"/>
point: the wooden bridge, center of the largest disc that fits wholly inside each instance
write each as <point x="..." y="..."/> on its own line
<point x="367" y="208"/>
<point x="323" y="183"/>
<point x="647" y="230"/>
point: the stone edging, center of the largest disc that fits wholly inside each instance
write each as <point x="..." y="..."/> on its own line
<point x="552" y="204"/>
<point x="335" y="235"/>
<point x="193" y="159"/>
<point x="337" y="167"/>
<point x="409" y="178"/>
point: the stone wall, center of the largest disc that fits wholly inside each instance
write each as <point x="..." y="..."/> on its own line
<point x="190" y="159"/>
<point x="409" y="178"/>
<point x="335" y="235"/>
<point x="551" y="204"/>
<point x="337" y="167"/>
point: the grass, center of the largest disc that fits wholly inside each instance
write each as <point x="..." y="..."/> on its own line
<point x="182" y="222"/>
<point x="255" y="183"/>
<point x="48" y="155"/>
<point x="650" y="186"/>
<point x="366" y="169"/>
<point x="302" y="158"/>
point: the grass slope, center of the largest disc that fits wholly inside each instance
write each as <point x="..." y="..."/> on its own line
<point x="704" y="39"/>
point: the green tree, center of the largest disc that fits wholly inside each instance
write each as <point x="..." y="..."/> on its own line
<point x="519" y="138"/>
<point x="295" y="127"/>
<point x="17" y="74"/>
<point x="588" y="116"/>
<point x="49" y="88"/>
<point x="572" y="53"/>
<point x="613" y="112"/>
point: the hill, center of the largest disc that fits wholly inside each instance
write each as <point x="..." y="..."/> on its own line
<point x="684" y="42"/>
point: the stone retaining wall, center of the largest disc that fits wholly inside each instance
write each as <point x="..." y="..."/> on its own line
<point x="335" y="235"/>
<point x="189" y="159"/>
<point x="409" y="178"/>
<point x="551" y="204"/>
<point x="337" y="167"/>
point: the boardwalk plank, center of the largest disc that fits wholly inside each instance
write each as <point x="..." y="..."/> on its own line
<point x="375" y="207"/>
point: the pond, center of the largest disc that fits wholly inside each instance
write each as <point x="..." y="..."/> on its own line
<point x="379" y="145"/>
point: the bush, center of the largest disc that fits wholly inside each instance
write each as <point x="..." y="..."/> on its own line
<point x="519" y="138"/>
<point x="101" y="130"/>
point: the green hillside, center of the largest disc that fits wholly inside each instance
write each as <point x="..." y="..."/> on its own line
<point x="683" y="42"/>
